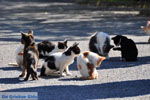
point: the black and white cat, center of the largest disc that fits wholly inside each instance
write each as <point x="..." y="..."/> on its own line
<point x="46" y="48"/>
<point x="100" y="44"/>
<point x="129" y="51"/>
<point x="60" y="61"/>
<point x="30" y="56"/>
<point x="87" y="62"/>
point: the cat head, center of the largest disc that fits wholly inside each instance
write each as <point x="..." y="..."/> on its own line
<point x="118" y="39"/>
<point x="63" y="45"/>
<point x="94" y="58"/>
<point x="99" y="61"/>
<point x="73" y="49"/>
<point x="27" y="38"/>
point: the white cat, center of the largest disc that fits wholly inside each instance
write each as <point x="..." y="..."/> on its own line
<point x="19" y="55"/>
<point x="60" y="61"/>
<point x="100" y="44"/>
<point x="87" y="63"/>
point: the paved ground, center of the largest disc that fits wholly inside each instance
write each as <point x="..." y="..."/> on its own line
<point x="57" y="21"/>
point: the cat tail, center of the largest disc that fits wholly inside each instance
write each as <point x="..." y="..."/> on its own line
<point x="13" y="64"/>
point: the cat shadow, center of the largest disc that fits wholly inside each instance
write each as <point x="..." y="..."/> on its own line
<point x="121" y="89"/>
<point x="115" y="62"/>
<point x="72" y="79"/>
<point x="49" y="77"/>
<point x="10" y="80"/>
<point x="142" y="43"/>
<point x="10" y="68"/>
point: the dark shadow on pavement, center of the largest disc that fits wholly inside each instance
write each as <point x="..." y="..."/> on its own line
<point x="115" y="62"/>
<point x="10" y="80"/>
<point x="96" y="91"/>
<point x="10" y="68"/>
<point x="72" y="79"/>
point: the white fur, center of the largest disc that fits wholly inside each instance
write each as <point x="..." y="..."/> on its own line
<point x="62" y="62"/>
<point x="101" y="38"/>
<point x="82" y="61"/>
<point x="19" y="58"/>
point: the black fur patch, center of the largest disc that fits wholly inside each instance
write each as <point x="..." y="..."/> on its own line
<point x="62" y="45"/>
<point x="92" y="43"/>
<point x="43" y="71"/>
<point x="75" y="49"/>
<point x="44" y="47"/>
<point x="128" y="48"/>
<point x="51" y="62"/>
<point x="68" y="52"/>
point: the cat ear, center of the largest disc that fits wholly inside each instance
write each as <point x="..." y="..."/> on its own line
<point x="113" y="38"/>
<point x="59" y="43"/>
<point x="75" y="44"/>
<point x="65" y="41"/>
<point x="22" y="34"/>
<point x="30" y="32"/>
<point x="100" y="60"/>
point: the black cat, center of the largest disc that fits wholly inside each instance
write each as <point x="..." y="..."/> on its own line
<point x="129" y="51"/>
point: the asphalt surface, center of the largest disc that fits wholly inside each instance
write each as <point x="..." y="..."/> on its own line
<point x="55" y="22"/>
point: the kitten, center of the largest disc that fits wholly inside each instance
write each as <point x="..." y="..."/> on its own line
<point x="129" y="51"/>
<point x="46" y="48"/>
<point x="100" y="44"/>
<point x="146" y="29"/>
<point x="60" y="61"/>
<point x="87" y="63"/>
<point x="30" y="57"/>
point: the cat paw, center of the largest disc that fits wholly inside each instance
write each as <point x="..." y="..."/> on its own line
<point x="69" y="74"/>
<point x="63" y="74"/>
<point x="21" y="75"/>
<point x="25" y="79"/>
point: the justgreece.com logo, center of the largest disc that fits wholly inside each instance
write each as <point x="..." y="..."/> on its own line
<point x="18" y="96"/>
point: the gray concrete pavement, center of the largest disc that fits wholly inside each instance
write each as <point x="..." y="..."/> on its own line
<point x="56" y="21"/>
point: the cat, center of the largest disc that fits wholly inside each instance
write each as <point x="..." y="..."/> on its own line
<point x="100" y="44"/>
<point x="146" y="29"/>
<point x="46" y="48"/>
<point x="30" y="56"/>
<point x="129" y="51"/>
<point x="60" y="61"/>
<point x="87" y="63"/>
